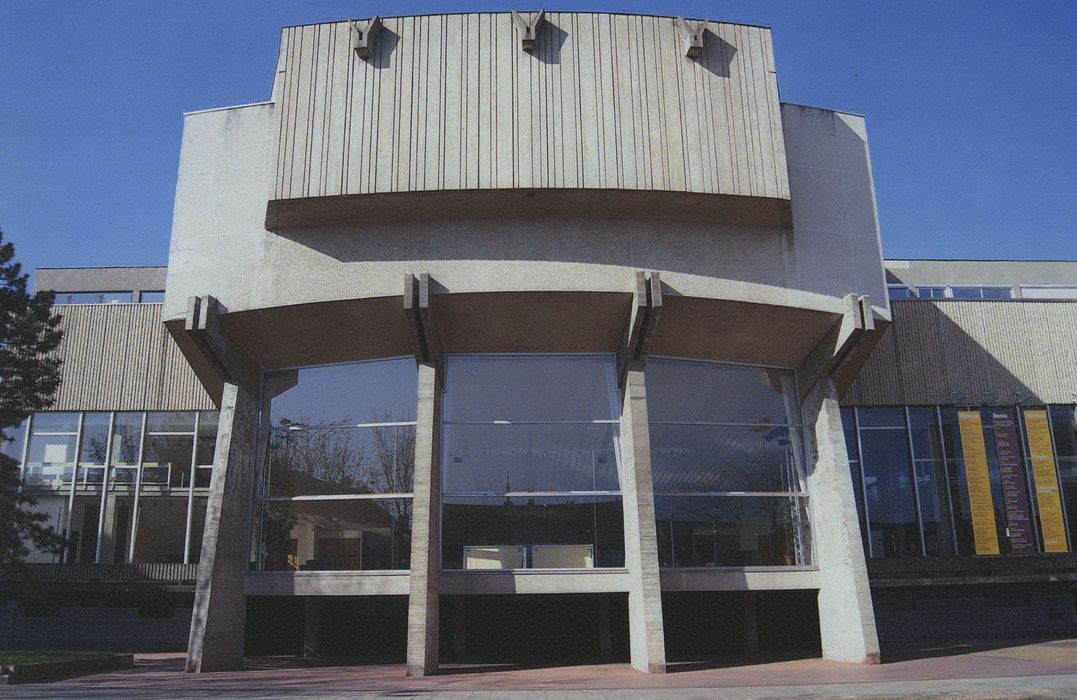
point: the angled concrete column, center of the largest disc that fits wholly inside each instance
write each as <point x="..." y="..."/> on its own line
<point x="646" y="630"/>
<point x="425" y="528"/>
<point x="846" y="618"/>
<point x="219" y="615"/>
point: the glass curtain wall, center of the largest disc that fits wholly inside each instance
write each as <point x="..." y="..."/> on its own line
<point x="931" y="514"/>
<point x="727" y="464"/>
<point x="338" y="463"/>
<point x="106" y="486"/>
<point x="531" y="469"/>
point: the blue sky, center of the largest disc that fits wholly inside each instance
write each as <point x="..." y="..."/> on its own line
<point x="971" y="108"/>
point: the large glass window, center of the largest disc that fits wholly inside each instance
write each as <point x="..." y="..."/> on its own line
<point x="727" y="464"/>
<point x="117" y="524"/>
<point x="531" y="462"/>
<point x="933" y="514"/>
<point x="50" y="461"/>
<point x="338" y="467"/>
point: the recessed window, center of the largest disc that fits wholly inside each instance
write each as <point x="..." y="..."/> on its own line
<point x="898" y="291"/>
<point x="151" y="297"/>
<point x="93" y="297"/>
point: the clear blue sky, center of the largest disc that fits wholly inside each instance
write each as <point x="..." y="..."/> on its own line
<point x="971" y="108"/>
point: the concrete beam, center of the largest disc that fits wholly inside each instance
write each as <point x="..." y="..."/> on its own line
<point x="422" y="327"/>
<point x="646" y="626"/>
<point x="642" y="322"/>
<point x="423" y="595"/>
<point x="202" y="325"/>
<point x="841" y="352"/>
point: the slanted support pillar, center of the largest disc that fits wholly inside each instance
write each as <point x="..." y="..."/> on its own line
<point x="645" y="626"/>
<point x="423" y="599"/>
<point x="423" y="594"/>
<point x="846" y="618"/>
<point x="218" y="620"/>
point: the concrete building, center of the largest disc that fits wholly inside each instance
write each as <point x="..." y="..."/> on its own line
<point x="498" y="334"/>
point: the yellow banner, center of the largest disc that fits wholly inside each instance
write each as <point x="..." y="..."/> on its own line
<point x="979" y="480"/>
<point x="1052" y="521"/>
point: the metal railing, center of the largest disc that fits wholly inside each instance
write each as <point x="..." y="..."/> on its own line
<point x="112" y="573"/>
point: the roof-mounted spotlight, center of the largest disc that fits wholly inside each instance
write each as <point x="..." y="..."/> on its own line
<point x="692" y="32"/>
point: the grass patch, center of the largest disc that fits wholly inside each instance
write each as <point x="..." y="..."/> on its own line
<point x="14" y="658"/>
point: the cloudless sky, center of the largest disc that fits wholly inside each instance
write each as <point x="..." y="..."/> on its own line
<point x="971" y="109"/>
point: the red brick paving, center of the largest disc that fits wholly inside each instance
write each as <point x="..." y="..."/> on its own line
<point x="164" y="672"/>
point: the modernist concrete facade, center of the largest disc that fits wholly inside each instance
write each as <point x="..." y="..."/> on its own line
<point x="493" y="311"/>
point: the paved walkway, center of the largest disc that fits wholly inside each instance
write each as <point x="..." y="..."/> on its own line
<point x="1045" y="670"/>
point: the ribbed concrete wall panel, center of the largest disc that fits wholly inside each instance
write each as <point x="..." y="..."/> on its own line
<point x="452" y="102"/>
<point x="121" y="357"/>
<point x="953" y="352"/>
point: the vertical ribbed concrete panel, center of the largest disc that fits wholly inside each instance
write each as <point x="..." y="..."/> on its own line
<point x="645" y="626"/>
<point x="422" y="653"/>
<point x="219" y="615"/>
<point x="452" y="102"/>
<point x="955" y="352"/>
<point x="846" y="618"/>
<point x="121" y="357"/>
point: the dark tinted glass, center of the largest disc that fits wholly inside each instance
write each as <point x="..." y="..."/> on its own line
<point x="578" y="532"/>
<point x="326" y="461"/>
<point x="707" y="392"/>
<point x="336" y="395"/>
<point x="689" y="458"/>
<point x="530" y="388"/>
<point x="527" y="457"/>
<point x="367" y="534"/>
<point x="891" y="502"/>
<point x="709" y="531"/>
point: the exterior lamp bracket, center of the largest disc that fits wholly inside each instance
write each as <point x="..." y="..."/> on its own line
<point x="363" y="34"/>
<point x="528" y="29"/>
<point x="692" y="32"/>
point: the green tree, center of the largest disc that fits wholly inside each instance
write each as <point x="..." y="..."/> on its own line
<point x="29" y="377"/>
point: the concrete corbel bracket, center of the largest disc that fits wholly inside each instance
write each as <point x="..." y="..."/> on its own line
<point x="528" y="27"/>
<point x="363" y="36"/>
<point x="420" y="317"/>
<point x="203" y="325"/>
<point x="692" y="32"/>
<point x="642" y="322"/>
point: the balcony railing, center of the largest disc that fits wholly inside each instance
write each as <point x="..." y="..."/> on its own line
<point x="174" y="574"/>
<point x="893" y="571"/>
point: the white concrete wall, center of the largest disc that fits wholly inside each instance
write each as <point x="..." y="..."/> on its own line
<point x="220" y="246"/>
<point x="836" y="226"/>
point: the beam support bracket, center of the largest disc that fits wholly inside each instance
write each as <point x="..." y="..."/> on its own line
<point x="528" y="27"/>
<point x="363" y="36"/>
<point x="692" y="32"/>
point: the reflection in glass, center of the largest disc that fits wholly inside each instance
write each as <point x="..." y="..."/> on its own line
<point x="126" y="440"/>
<point x="12" y="445"/>
<point x="162" y="525"/>
<point x="166" y="460"/>
<point x="692" y="391"/>
<point x="561" y="388"/>
<point x="94" y="448"/>
<point x="50" y="459"/>
<point x="891" y="501"/>
<point x="713" y="531"/>
<point x="702" y="458"/>
<point x="560" y="528"/>
<point x="341" y="461"/>
<point x="932" y="482"/>
<point x="207" y="437"/>
<point x="334" y="535"/>
<point x="170" y="422"/>
<point x="527" y="457"/>
<point x="337" y="395"/>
